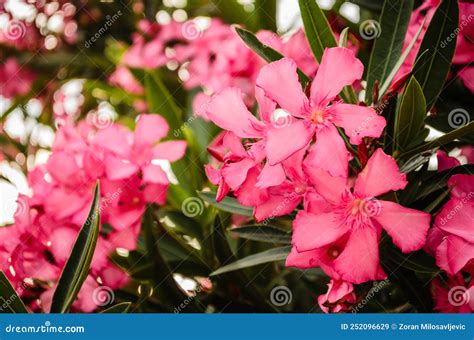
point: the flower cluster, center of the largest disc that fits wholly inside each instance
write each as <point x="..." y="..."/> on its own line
<point x="211" y="54"/>
<point x="295" y="154"/>
<point x="46" y="224"/>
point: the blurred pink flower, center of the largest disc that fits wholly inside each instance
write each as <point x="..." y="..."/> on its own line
<point x="15" y="79"/>
<point x="49" y="220"/>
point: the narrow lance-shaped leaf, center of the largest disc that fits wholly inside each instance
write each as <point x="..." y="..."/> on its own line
<point x="263" y="233"/>
<point x="265" y="51"/>
<point x="387" y="47"/>
<point x="399" y="63"/>
<point x="161" y="101"/>
<point x="228" y="204"/>
<point x="271" y="255"/>
<point x="441" y="141"/>
<point x="123" y="307"/>
<point x="411" y="115"/>
<point x="433" y="67"/>
<point x="77" y="266"/>
<point x="316" y="27"/>
<point x="10" y="302"/>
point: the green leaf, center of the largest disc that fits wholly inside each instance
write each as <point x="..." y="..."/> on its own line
<point x="123" y="307"/>
<point x="266" y="52"/>
<point x="271" y="255"/>
<point x="10" y="302"/>
<point x="343" y="37"/>
<point x="263" y="233"/>
<point x="77" y="266"/>
<point x="234" y="13"/>
<point x="432" y="68"/>
<point x="387" y="47"/>
<point x="411" y="115"/>
<point x="228" y="204"/>
<point x="393" y="73"/>
<point x="316" y="27"/>
<point x="266" y="10"/>
<point x="441" y="141"/>
<point x="160" y="101"/>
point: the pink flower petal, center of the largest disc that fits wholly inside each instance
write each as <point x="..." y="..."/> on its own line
<point x="154" y="174"/>
<point x="235" y="173"/>
<point x="276" y="205"/>
<point x="150" y="129"/>
<point x="271" y="175"/>
<point x="116" y="168"/>
<point x="296" y="136"/>
<point x="453" y="254"/>
<point x="170" y="150"/>
<point x="248" y="194"/>
<point x="63" y="168"/>
<point x="304" y="259"/>
<point x="116" y="139"/>
<point x="329" y="153"/>
<point x="330" y="187"/>
<point x="445" y="162"/>
<point x="280" y="82"/>
<point x="380" y="175"/>
<point x="358" y="121"/>
<point x="456" y="218"/>
<point x="228" y="111"/>
<point x="359" y="261"/>
<point x="311" y="231"/>
<point x="339" y="67"/>
<point x="407" y="227"/>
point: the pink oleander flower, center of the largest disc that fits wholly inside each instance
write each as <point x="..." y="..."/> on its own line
<point x="15" y="79"/>
<point x="339" y="297"/>
<point x="350" y="226"/>
<point x="451" y="240"/>
<point x="148" y="49"/>
<point x="218" y="58"/>
<point x="320" y="114"/>
<point x="47" y="223"/>
<point x="453" y="296"/>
